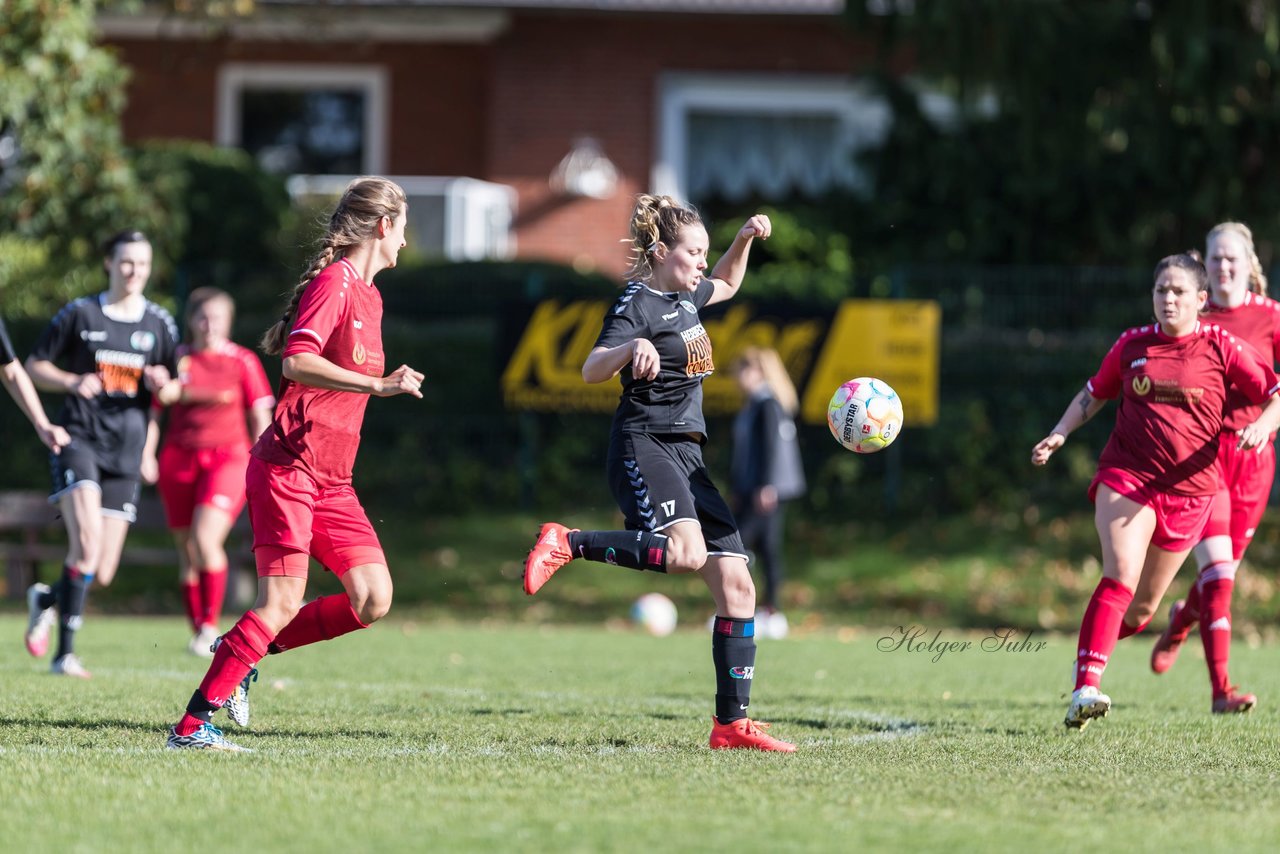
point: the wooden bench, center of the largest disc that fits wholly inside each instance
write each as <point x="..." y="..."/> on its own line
<point x="31" y="533"/>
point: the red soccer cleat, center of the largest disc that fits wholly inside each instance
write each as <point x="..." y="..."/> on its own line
<point x="548" y="554"/>
<point x="1168" y="645"/>
<point x="747" y="734"/>
<point x="1232" y="703"/>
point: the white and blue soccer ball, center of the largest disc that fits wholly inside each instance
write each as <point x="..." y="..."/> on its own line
<point x="654" y="613"/>
<point x="865" y="415"/>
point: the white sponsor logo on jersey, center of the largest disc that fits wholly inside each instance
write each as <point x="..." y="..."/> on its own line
<point x="92" y="335"/>
<point x="142" y="340"/>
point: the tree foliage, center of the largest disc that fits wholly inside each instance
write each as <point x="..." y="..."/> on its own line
<point x="68" y="181"/>
<point x="1093" y="131"/>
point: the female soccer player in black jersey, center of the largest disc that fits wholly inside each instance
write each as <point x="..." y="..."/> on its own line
<point x="676" y="519"/>
<point x="109" y="353"/>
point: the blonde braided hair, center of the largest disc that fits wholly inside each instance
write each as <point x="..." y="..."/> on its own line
<point x="364" y="202"/>
<point x="656" y="219"/>
<point x="1257" y="279"/>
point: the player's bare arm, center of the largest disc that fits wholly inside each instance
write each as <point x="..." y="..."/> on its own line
<point x="316" y="371"/>
<point x="604" y="363"/>
<point x="729" y="271"/>
<point x="1084" y="407"/>
<point x="49" y="377"/>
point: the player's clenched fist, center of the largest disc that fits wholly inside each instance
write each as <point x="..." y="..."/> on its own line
<point x="403" y="380"/>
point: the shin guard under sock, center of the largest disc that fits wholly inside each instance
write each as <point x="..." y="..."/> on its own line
<point x="1215" y="630"/>
<point x="1100" y="629"/>
<point x="213" y="588"/>
<point x="632" y="549"/>
<point x="733" y="652"/>
<point x="191" y="603"/>
<point x="242" y="647"/>
<point x="322" y="619"/>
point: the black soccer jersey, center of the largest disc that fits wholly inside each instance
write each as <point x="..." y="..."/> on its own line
<point x="671" y="403"/>
<point x="6" y="346"/>
<point x="83" y="340"/>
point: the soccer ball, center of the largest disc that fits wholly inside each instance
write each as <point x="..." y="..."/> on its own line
<point x="654" y="613"/>
<point x="865" y="415"/>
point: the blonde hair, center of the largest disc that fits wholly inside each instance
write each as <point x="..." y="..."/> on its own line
<point x="656" y="219"/>
<point x="1257" y="279"/>
<point x="355" y="219"/>
<point x="769" y="364"/>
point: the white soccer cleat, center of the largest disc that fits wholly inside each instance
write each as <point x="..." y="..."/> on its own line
<point x="237" y="704"/>
<point x="202" y="644"/>
<point x="39" y="621"/>
<point x="207" y="737"/>
<point x="70" y="665"/>
<point x="1087" y="703"/>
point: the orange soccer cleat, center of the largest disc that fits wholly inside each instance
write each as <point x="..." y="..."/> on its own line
<point x="1232" y="703"/>
<point x="548" y="554"/>
<point x="1168" y="645"/>
<point x="747" y="734"/>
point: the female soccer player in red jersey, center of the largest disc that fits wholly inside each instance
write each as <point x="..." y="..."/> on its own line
<point x="1158" y="473"/>
<point x="1238" y="303"/>
<point x="676" y="520"/>
<point x="301" y="503"/>
<point x="19" y="386"/>
<point x="221" y="389"/>
<point x="108" y="353"/>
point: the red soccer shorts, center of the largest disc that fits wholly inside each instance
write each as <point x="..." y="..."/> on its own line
<point x="1180" y="519"/>
<point x="190" y="477"/>
<point x="1242" y="497"/>
<point x="293" y="517"/>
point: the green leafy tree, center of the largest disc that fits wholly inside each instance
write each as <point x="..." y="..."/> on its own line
<point x="1089" y="132"/>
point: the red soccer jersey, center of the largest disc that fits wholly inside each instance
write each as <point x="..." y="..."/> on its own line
<point x="1257" y="321"/>
<point x="316" y="429"/>
<point x="220" y="385"/>
<point x="1172" y="397"/>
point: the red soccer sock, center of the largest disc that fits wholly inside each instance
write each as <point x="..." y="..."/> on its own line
<point x="322" y="619"/>
<point x="213" y="588"/>
<point x="242" y="647"/>
<point x="1215" y="631"/>
<point x="191" y="601"/>
<point x="1100" y="629"/>
<point x="1128" y="631"/>
<point x="1189" y="615"/>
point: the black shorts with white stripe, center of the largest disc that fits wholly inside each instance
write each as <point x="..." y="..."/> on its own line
<point x="659" y="480"/>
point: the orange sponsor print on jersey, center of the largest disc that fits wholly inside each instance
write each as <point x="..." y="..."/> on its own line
<point x="121" y="373"/>
<point x="697" y="346"/>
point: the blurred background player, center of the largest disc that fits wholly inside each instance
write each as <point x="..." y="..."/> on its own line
<point x="1238" y="303"/>
<point x="19" y="386"/>
<point x="765" y="472"/>
<point x="1158" y="474"/>
<point x="676" y="519"/>
<point x="109" y="353"/>
<point x="219" y="403"/>
<point x="301" y="503"/>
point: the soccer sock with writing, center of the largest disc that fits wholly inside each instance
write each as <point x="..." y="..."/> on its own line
<point x="191" y="602"/>
<point x="632" y="549"/>
<point x="1100" y="629"/>
<point x="242" y="647"/>
<point x="733" y="652"/>
<point x="1216" y="584"/>
<point x="72" y="593"/>
<point x="213" y="588"/>
<point x="322" y="619"/>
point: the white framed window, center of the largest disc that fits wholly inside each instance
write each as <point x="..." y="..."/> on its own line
<point x="733" y="135"/>
<point x="306" y="118"/>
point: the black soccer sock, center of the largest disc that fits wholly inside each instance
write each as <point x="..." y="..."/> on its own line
<point x="632" y="549"/>
<point x="200" y="708"/>
<point x="733" y="651"/>
<point x="48" y="600"/>
<point x="73" y="590"/>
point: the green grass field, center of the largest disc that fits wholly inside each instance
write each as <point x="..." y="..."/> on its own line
<point x="416" y="736"/>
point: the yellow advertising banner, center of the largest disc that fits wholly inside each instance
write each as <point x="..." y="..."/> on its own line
<point x="895" y="340"/>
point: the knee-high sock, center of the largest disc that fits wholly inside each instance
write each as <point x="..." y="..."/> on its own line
<point x="733" y="651"/>
<point x="1216" y="584"/>
<point x="213" y="588"/>
<point x="192" y="603"/>
<point x="73" y="591"/>
<point x="242" y="647"/>
<point x="1100" y="629"/>
<point x="1189" y="615"/>
<point x="632" y="549"/>
<point x="322" y="619"/>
